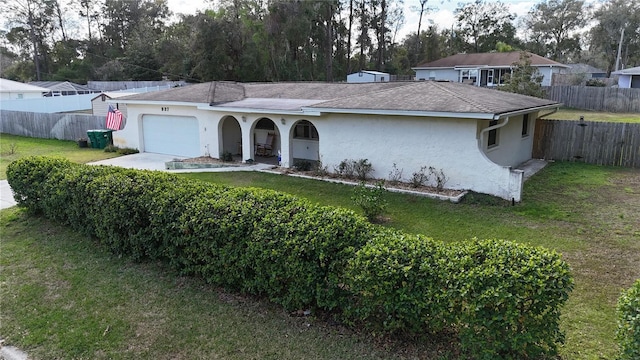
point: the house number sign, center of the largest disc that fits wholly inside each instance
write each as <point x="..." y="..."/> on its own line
<point x="164" y="108"/>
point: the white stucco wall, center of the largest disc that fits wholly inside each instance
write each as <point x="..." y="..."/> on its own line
<point x="131" y="135"/>
<point x="440" y="74"/>
<point x="410" y="142"/>
<point x="512" y="149"/>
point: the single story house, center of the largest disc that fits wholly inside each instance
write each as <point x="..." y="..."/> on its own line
<point x="628" y="78"/>
<point x="363" y="76"/>
<point x="476" y="136"/>
<point x="586" y="70"/>
<point x="14" y="90"/>
<point x="484" y="69"/>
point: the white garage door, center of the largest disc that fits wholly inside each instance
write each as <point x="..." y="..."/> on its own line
<point x="172" y="135"/>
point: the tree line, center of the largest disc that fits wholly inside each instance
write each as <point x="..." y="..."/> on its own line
<point x="293" y="40"/>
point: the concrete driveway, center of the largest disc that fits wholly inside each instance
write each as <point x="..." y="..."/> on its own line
<point x="6" y="195"/>
<point x="141" y="161"/>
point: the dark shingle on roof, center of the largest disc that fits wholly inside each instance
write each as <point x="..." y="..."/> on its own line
<point x="60" y="85"/>
<point x="198" y="93"/>
<point x="489" y="59"/>
<point x="432" y="96"/>
<point x="428" y="96"/>
<point x="584" y="68"/>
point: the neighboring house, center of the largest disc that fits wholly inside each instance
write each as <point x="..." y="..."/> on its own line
<point x="63" y="88"/>
<point x="13" y="90"/>
<point x="628" y="78"/>
<point x="585" y="70"/>
<point x="367" y="76"/>
<point x="476" y="136"/>
<point x="100" y="103"/>
<point x="484" y="69"/>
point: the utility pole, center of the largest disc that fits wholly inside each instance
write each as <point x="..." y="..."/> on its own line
<point x="619" y="50"/>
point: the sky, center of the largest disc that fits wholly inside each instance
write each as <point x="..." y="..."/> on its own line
<point x="441" y="16"/>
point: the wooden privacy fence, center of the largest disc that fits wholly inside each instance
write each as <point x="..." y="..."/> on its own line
<point x="596" y="98"/>
<point x="49" y="126"/>
<point x="591" y="142"/>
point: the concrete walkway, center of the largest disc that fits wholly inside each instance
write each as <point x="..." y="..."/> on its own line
<point x="531" y="167"/>
<point x="149" y="161"/>
<point x="141" y="161"/>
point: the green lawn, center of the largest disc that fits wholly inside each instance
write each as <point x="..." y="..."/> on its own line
<point x="574" y="114"/>
<point x="13" y="147"/>
<point x="64" y="298"/>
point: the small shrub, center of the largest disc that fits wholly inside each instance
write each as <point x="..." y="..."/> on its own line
<point x="110" y="148"/>
<point x="362" y="169"/>
<point x="419" y="178"/>
<point x="596" y="82"/>
<point x="345" y="169"/>
<point x="628" y="333"/>
<point x="226" y="156"/>
<point x="303" y="165"/>
<point x="127" y="151"/>
<point x="440" y="177"/>
<point x="12" y="149"/>
<point x="371" y="200"/>
<point x="320" y="169"/>
<point x="395" y="175"/>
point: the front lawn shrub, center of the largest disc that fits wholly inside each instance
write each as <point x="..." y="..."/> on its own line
<point x="26" y="176"/>
<point x="498" y="299"/>
<point x="370" y="200"/>
<point x="401" y="283"/>
<point x="511" y="295"/>
<point x="628" y="333"/>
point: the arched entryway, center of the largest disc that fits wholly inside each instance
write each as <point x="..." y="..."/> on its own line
<point x="305" y="142"/>
<point x="230" y="135"/>
<point x="266" y="141"/>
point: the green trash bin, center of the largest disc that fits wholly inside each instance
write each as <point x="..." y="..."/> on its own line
<point x="100" y="138"/>
<point x="91" y="135"/>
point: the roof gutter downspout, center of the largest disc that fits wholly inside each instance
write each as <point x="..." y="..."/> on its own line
<point x="497" y="126"/>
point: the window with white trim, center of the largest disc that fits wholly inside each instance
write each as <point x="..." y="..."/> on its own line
<point x="469" y="76"/>
<point x="305" y="130"/>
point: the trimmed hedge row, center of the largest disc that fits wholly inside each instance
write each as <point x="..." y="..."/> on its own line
<point x="500" y="298"/>
<point x="628" y="311"/>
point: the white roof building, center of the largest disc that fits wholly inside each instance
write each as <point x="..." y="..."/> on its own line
<point x="13" y="90"/>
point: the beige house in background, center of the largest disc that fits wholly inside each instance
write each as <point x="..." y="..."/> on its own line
<point x="100" y="104"/>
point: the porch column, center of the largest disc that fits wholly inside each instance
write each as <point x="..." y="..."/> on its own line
<point x="284" y="127"/>
<point x="247" y="138"/>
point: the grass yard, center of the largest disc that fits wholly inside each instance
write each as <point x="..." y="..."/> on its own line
<point x="63" y="297"/>
<point x="13" y="147"/>
<point x="574" y="114"/>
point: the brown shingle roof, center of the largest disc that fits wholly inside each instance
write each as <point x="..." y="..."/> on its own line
<point x="488" y="59"/>
<point x="426" y="96"/>
<point x="433" y="96"/>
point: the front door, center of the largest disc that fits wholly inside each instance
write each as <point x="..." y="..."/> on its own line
<point x="490" y="77"/>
